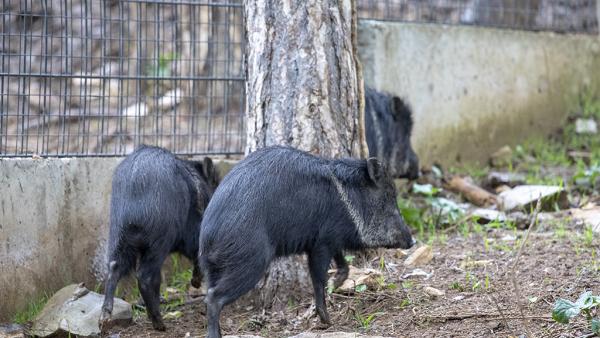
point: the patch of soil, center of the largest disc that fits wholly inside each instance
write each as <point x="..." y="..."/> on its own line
<point x="474" y="272"/>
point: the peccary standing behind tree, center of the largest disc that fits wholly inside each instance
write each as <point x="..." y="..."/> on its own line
<point x="388" y="123"/>
<point x="156" y="208"/>
<point x="280" y="201"/>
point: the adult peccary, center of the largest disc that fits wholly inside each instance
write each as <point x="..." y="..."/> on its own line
<point x="388" y="123"/>
<point x="281" y="201"/>
<point x="156" y="208"/>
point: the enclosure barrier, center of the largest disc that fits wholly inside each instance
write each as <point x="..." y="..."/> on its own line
<point x="97" y="78"/>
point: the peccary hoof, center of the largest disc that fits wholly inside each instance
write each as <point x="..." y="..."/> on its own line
<point x="159" y="325"/>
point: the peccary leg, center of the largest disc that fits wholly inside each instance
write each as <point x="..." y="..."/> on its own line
<point x="118" y="266"/>
<point x="149" y="284"/>
<point x="318" y="261"/>
<point x="342" y="269"/>
<point x="196" y="276"/>
<point x="225" y="286"/>
<point x="213" y="313"/>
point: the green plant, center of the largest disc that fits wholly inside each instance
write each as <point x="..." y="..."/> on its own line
<point x="564" y="310"/>
<point x="457" y="286"/>
<point x="588" y="236"/>
<point x="31" y="311"/>
<point x="162" y="67"/>
<point x="365" y="320"/>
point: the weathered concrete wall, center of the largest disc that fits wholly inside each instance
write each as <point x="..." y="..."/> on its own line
<point x="475" y="89"/>
<point x="53" y="225"/>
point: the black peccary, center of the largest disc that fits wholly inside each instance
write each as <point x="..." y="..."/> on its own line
<point x="281" y="201"/>
<point x="388" y="123"/>
<point x="156" y="208"/>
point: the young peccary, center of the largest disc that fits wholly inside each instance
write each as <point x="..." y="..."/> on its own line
<point x="156" y="208"/>
<point x="388" y="123"/>
<point x="281" y="201"/>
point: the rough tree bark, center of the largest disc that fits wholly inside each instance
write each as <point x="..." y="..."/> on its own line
<point x="304" y="89"/>
<point x="304" y="85"/>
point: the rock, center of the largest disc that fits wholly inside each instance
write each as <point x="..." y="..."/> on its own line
<point x="433" y="292"/>
<point x="419" y="257"/>
<point x="173" y="315"/>
<point x="576" y="156"/>
<point x="418" y="273"/>
<point x="525" y="197"/>
<point x="488" y="215"/>
<point x="469" y="264"/>
<point x="458" y="298"/>
<point x="589" y="216"/>
<point x="501" y="188"/>
<point x="74" y="310"/>
<point x="586" y="126"/>
<point x="11" y="331"/>
<point x="242" y="336"/>
<point x="357" y="276"/>
<point x="501" y="157"/>
<point x="137" y="109"/>
<point x="333" y="335"/>
<point x="170" y="99"/>
<point x="495" y="179"/>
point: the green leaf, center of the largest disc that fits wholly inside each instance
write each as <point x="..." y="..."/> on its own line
<point x="349" y="259"/>
<point x="564" y="310"/>
<point x="361" y="288"/>
<point x="595" y="325"/>
<point x="425" y="189"/>
<point x="584" y="299"/>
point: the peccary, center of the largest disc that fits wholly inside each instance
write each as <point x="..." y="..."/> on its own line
<point x="280" y="201"/>
<point x="156" y="208"/>
<point x="388" y="123"/>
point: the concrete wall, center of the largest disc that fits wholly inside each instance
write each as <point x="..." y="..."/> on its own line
<point x="475" y="89"/>
<point x="53" y="225"/>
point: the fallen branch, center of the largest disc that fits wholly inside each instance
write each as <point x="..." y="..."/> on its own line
<point x="470" y="191"/>
<point x="483" y="316"/>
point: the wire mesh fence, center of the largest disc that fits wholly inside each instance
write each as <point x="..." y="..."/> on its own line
<point x="84" y="78"/>
<point x="577" y="16"/>
<point x="98" y="78"/>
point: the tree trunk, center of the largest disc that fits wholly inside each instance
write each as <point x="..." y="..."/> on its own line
<point x="304" y="89"/>
<point x="304" y="86"/>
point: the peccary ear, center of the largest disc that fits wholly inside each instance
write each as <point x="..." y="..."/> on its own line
<point x="375" y="169"/>
<point x="402" y="112"/>
<point x="208" y="169"/>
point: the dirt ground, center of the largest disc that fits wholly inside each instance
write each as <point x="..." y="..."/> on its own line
<point x="474" y="271"/>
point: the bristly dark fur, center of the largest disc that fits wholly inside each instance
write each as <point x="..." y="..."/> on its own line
<point x="389" y="123"/>
<point x="281" y="201"/>
<point x="156" y="208"/>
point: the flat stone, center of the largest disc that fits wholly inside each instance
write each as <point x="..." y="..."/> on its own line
<point x="433" y="292"/>
<point x="333" y="335"/>
<point x="495" y="179"/>
<point x="418" y="273"/>
<point x="419" y="257"/>
<point x="75" y="310"/>
<point x="358" y="276"/>
<point x="589" y="216"/>
<point x="525" y="196"/>
<point x="488" y="215"/>
<point x="586" y="126"/>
